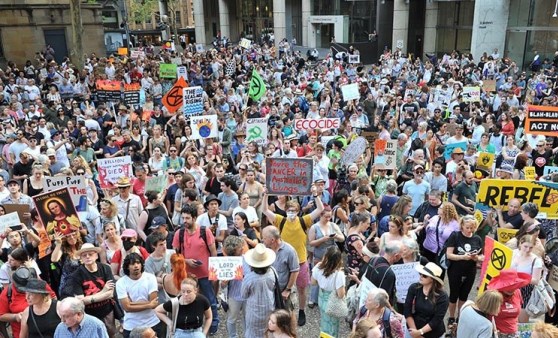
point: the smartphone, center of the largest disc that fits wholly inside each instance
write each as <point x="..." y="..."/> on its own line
<point x="16" y="227"/>
<point x="198" y="262"/>
<point x="332" y="235"/>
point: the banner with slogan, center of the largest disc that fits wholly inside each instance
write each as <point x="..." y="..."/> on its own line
<point x="350" y="92"/>
<point x="450" y="147"/>
<point x="484" y="161"/>
<point x="497" y="257"/>
<point x="541" y="120"/>
<point x="156" y="183"/>
<point x="256" y="130"/>
<point x="497" y="193"/>
<point x="131" y="93"/>
<point x="174" y="97"/>
<point x="289" y="176"/>
<point x="226" y="268"/>
<point x="405" y="276"/>
<point x="321" y="123"/>
<point x="108" y="91"/>
<point x="76" y="186"/>
<point x="504" y="235"/>
<point x="549" y="170"/>
<point x="257" y="86"/>
<point x="204" y="126"/>
<point x="193" y="100"/>
<point x="471" y="94"/>
<point x="111" y="169"/>
<point x="167" y="70"/>
<point x="8" y="221"/>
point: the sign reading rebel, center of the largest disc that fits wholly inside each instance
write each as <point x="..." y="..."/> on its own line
<point x="289" y="176"/>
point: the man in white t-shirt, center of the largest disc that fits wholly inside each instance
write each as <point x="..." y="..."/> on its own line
<point x="213" y="220"/>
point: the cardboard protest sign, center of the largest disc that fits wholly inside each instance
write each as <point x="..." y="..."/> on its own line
<point x="75" y="184"/>
<point x="549" y="170"/>
<point x="370" y="137"/>
<point x="172" y="100"/>
<point x="204" y="126"/>
<point x="289" y="176"/>
<point x="484" y="161"/>
<point x="541" y="120"/>
<point x="471" y="94"/>
<point x="504" y="235"/>
<point x="321" y="123"/>
<point x="256" y="130"/>
<point x="451" y="147"/>
<point x="122" y="51"/>
<point x="530" y="173"/>
<point x="131" y="93"/>
<point x="379" y="151"/>
<point x="497" y="257"/>
<point x="390" y="154"/>
<point x="111" y="169"/>
<point x="20" y="209"/>
<point x="108" y="91"/>
<point x="245" y="43"/>
<point x="405" y="276"/>
<point x="192" y="100"/>
<point x="9" y="220"/>
<point x="167" y="70"/>
<point x="350" y="92"/>
<point x="226" y="268"/>
<point x="156" y="183"/>
<point x="57" y="212"/>
<point x="489" y="85"/>
<point x="353" y="151"/>
<point x="496" y="193"/>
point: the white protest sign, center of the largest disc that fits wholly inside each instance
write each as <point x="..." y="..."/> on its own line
<point x="354" y="58"/>
<point x="245" y="43"/>
<point x="321" y="123"/>
<point x="111" y="169"/>
<point x="204" y="126"/>
<point x="365" y="287"/>
<point x="182" y="72"/>
<point x="76" y="187"/>
<point x="199" y="48"/>
<point x="353" y="151"/>
<point x="405" y="276"/>
<point x="256" y="130"/>
<point x="226" y="268"/>
<point x="8" y="220"/>
<point x="471" y="94"/>
<point x="136" y="54"/>
<point x="350" y="92"/>
<point x="176" y="61"/>
<point x="391" y="155"/>
<point x="192" y="99"/>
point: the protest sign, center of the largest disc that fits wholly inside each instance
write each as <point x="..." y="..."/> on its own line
<point x="504" y="235"/>
<point x="350" y="92"/>
<point x="199" y="48"/>
<point x="226" y="268"/>
<point x="289" y="176"/>
<point x="122" y="51"/>
<point x="57" y="212"/>
<point x="549" y="170"/>
<point x="353" y="151"/>
<point x="450" y="147"/>
<point x="370" y="137"/>
<point x="485" y="161"/>
<point x="111" y="169"/>
<point x="136" y="54"/>
<point x="193" y="100"/>
<point x="177" y="61"/>
<point x="108" y="91"/>
<point x="9" y="220"/>
<point x="257" y="86"/>
<point x="156" y="183"/>
<point x="541" y="120"/>
<point x="489" y="85"/>
<point x="174" y="97"/>
<point x="204" y="127"/>
<point x="321" y="123"/>
<point x="76" y="186"/>
<point x="391" y="155"/>
<point x="167" y="70"/>
<point x="182" y="72"/>
<point x="131" y="93"/>
<point x="379" y="151"/>
<point x="354" y="58"/>
<point x="21" y="209"/>
<point x="497" y="257"/>
<point x="441" y="96"/>
<point x="364" y="289"/>
<point x="256" y="130"/>
<point x="471" y="94"/>
<point x="245" y="43"/>
<point x="496" y="193"/>
<point x="405" y="276"/>
<point x="530" y="173"/>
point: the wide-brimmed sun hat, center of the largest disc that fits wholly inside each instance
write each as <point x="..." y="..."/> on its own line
<point x="509" y="280"/>
<point x="260" y="256"/>
<point x="431" y="270"/>
<point x="86" y="247"/>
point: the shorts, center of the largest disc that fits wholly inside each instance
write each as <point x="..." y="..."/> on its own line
<point x="303" y="279"/>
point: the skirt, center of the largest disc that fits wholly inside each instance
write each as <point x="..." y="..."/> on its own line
<point x="328" y="324"/>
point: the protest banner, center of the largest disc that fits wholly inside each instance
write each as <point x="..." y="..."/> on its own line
<point x="354" y="58"/>
<point x="350" y="92"/>
<point x="76" y="186"/>
<point x="57" y="212"/>
<point x="193" y="100"/>
<point x="450" y="147"/>
<point x="530" y="173"/>
<point x="21" y="209"/>
<point x="256" y="130"/>
<point x="497" y="257"/>
<point x="289" y="176"/>
<point x="174" y="97"/>
<point x="495" y="193"/>
<point x="321" y="123"/>
<point x="226" y="268"/>
<point x="108" y="90"/>
<point x="353" y="151"/>
<point x="489" y="85"/>
<point x="405" y="276"/>
<point x="131" y="93"/>
<point x="504" y="235"/>
<point x="167" y="70"/>
<point x="9" y="220"/>
<point x="485" y="161"/>
<point x="182" y="72"/>
<point x="156" y="183"/>
<point x="245" y="43"/>
<point x="111" y="169"/>
<point x="204" y="127"/>
<point x="471" y="94"/>
<point x="136" y="54"/>
<point x="379" y="151"/>
<point x="549" y="170"/>
<point x="541" y="120"/>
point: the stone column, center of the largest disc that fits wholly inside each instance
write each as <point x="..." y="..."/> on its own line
<point x="279" y="21"/>
<point x="400" y="25"/>
<point x="430" y="22"/>
<point x="199" y="22"/>
<point x="224" y="21"/>
<point x="306" y="11"/>
<point x="489" y="27"/>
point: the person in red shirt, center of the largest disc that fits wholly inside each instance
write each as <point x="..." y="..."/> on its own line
<point x="138" y="184"/>
<point x="129" y="238"/>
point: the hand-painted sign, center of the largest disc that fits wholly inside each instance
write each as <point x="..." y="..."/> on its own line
<point x="289" y="176"/>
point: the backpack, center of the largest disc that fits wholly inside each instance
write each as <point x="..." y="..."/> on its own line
<point x="203" y="235"/>
<point x="284" y="220"/>
<point x="385" y="321"/>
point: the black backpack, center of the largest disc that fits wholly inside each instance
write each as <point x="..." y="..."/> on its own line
<point x="284" y="220"/>
<point x="203" y="235"/>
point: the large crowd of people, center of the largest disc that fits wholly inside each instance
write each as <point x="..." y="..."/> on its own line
<point x="137" y="260"/>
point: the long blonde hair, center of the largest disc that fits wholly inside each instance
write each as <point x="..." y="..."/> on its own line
<point x="449" y="213"/>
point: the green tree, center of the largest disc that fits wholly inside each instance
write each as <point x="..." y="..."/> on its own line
<point x="141" y="10"/>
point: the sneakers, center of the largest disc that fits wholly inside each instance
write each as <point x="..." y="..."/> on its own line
<point x="311" y="305"/>
<point x="301" y="318"/>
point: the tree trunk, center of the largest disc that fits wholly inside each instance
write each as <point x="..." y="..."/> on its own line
<point x="76" y="51"/>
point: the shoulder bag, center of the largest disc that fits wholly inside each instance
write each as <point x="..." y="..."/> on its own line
<point x="336" y="307"/>
<point x="174" y="316"/>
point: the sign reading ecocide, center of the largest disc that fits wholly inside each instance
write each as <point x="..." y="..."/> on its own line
<point x="289" y="176"/>
<point x="322" y="123"/>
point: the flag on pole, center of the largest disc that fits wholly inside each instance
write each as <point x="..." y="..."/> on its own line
<point x="257" y="86"/>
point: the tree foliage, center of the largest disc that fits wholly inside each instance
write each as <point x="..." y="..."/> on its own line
<point x="141" y="10"/>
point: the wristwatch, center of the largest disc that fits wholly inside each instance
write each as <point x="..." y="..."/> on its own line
<point x="288" y="289"/>
<point x="421" y="333"/>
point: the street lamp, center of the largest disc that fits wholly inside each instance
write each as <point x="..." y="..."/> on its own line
<point x="555" y="8"/>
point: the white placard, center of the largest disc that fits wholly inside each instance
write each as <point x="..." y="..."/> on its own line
<point x="204" y="126"/>
<point x="350" y="92"/>
<point x="245" y="43"/>
<point x="256" y="130"/>
<point x="176" y="61"/>
<point x="111" y="169"/>
<point x="471" y="94"/>
<point x="225" y="268"/>
<point x="355" y="58"/>
<point x="75" y="184"/>
<point x="8" y="220"/>
<point x="199" y="48"/>
<point x="405" y="276"/>
<point x="136" y="54"/>
<point x="192" y="100"/>
<point x="182" y="72"/>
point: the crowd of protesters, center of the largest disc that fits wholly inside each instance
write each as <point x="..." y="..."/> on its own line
<point x="137" y="261"/>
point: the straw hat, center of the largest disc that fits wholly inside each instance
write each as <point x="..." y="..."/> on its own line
<point x="86" y="247"/>
<point x="123" y="182"/>
<point x="260" y="256"/>
<point x="431" y="270"/>
<point x="509" y="280"/>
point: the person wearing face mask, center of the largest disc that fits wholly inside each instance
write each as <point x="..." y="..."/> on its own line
<point x="129" y="238"/>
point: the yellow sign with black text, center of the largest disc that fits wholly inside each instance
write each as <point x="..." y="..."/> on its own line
<point x="498" y="193"/>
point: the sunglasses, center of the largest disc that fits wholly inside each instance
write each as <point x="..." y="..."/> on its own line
<point x="419" y="171"/>
<point x="423" y="275"/>
<point x="359" y="203"/>
<point x="173" y="150"/>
